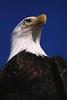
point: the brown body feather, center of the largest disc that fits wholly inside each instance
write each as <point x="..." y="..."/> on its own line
<point x="28" y="77"/>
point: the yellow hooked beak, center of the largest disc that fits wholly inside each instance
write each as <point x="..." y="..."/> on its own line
<point x="41" y="19"/>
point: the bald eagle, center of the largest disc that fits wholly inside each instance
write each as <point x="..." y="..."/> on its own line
<point x="30" y="74"/>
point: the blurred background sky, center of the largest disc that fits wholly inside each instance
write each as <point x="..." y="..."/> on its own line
<point x="54" y="33"/>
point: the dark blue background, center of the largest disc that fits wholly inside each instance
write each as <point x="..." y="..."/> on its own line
<point x="54" y="34"/>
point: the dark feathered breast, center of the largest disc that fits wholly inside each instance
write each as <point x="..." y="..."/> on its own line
<point x="28" y="77"/>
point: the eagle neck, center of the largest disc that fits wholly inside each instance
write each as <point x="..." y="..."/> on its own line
<point x="29" y="42"/>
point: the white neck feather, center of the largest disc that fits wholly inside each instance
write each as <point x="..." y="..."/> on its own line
<point x="26" y="42"/>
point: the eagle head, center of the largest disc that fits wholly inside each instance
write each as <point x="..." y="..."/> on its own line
<point x="26" y="36"/>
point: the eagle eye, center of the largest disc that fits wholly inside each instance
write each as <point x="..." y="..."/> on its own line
<point x="28" y="20"/>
